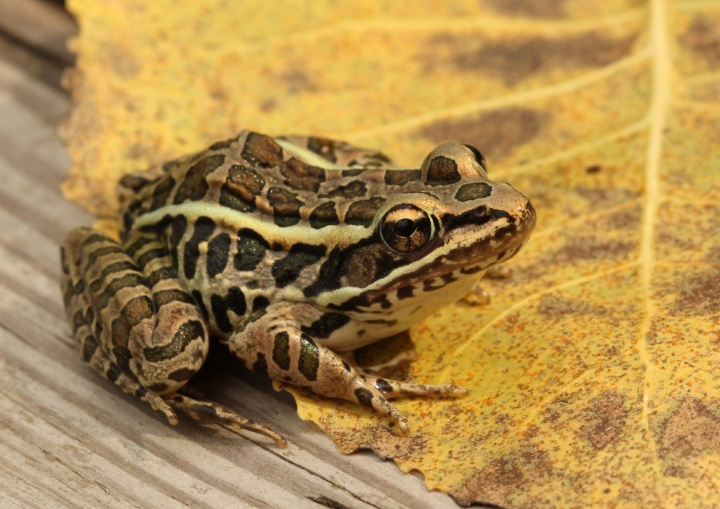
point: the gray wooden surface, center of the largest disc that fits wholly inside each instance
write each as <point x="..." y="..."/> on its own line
<point x="67" y="437"/>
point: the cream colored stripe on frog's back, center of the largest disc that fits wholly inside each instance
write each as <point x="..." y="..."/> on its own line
<point x="343" y="236"/>
<point x="333" y="235"/>
<point x="307" y="156"/>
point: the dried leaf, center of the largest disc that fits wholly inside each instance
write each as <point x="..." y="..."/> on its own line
<point x="593" y="372"/>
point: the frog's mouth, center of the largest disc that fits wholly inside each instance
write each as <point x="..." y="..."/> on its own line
<point x="483" y="237"/>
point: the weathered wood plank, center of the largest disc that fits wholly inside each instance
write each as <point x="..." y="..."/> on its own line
<point x="70" y="439"/>
<point x="40" y="24"/>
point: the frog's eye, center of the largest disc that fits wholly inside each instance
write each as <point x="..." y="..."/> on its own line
<point x="478" y="157"/>
<point x="406" y="228"/>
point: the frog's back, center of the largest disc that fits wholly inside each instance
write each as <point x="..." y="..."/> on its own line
<point x="310" y="182"/>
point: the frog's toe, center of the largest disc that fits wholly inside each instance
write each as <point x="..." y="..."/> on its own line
<point x="208" y="411"/>
<point x="371" y="397"/>
<point x="498" y="272"/>
<point x="159" y="404"/>
<point x="376" y="393"/>
<point x="395" y="389"/>
<point x="478" y="296"/>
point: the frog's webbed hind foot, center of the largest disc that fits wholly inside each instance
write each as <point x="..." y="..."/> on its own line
<point x="208" y="411"/>
<point x="375" y="393"/>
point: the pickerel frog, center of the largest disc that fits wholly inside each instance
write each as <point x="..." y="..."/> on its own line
<point x="290" y="251"/>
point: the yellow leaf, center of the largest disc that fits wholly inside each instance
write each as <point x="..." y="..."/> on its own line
<point x="594" y="371"/>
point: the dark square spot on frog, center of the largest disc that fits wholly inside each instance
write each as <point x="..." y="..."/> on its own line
<point x="194" y="187"/>
<point x="405" y="292"/>
<point x="250" y="250"/>
<point x="260" y="302"/>
<point x="241" y="188"/>
<point x="323" y="147"/>
<point x="133" y="182"/>
<point x="363" y="212"/>
<point x="286" y="270"/>
<point x="324" y="215"/>
<point x="261" y="150"/>
<point x="442" y="171"/>
<point x="162" y="191"/>
<point x="260" y="365"/>
<point x="286" y="206"/>
<point x="301" y="176"/>
<point x="354" y="189"/>
<point x="324" y="326"/>
<point x="473" y="191"/>
<point x="401" y="177"/>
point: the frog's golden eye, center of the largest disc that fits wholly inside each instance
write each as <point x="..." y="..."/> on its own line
<point x="406" y="228"/>
<point x="478" y="157"/>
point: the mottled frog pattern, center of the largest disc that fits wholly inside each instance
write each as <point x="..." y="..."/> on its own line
<point x="291" y="251"/>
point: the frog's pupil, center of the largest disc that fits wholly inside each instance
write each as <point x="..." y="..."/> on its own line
<point x="405" y="227"/>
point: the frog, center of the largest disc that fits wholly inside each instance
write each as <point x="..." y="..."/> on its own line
<point x="292" y="252"/>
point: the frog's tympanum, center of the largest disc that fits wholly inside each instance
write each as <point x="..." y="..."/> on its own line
<point x="291" y="251"/>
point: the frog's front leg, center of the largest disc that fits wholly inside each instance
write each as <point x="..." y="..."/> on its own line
<point x="274" y="342"/>
<point x="135" y="324"/>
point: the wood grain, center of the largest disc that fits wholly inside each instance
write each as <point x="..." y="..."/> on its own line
<point x="70" y="439"/>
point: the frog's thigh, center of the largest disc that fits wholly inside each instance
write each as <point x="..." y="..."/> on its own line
<point x="133" y="322"/>
<point x="271" y="342"/>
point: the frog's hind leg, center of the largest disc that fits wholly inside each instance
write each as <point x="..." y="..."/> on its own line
<point x="274" y="342"/>
<point x="82" y="256"/>
<point x="135" y="324"/>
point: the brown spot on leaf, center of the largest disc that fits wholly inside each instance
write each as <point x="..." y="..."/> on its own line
<point x="624" y="219"/>
<point x="604" y="420"/>
<point x="268" y="105"/>
<point x="504" y="476"/>
<point x="384" y="443"/>
<point x="552" y="306"/>
<point x="691" y="429"/>
<point x="515" y="59"/>
<point x="698" y="294"/>
<point x="605" y="197"/>
<point x="703" y="39"/>
<point x="497" y="132"/>
<point x="544" y="9"/>
<point x="298" y="81"/>
<point x="582" y="247"/>
<point x="713" y="255"/>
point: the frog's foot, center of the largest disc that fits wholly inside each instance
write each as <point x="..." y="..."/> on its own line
<point x="374" y="393"/>
<point x="103" y="365"/>
<point x="498" y="272"/>
<point x="272" y="342"/>
<point x="208" y="411"/>
<point x="477" y="297"/>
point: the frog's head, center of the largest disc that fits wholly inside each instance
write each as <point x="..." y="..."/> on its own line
<point x="431" y="240"/>
<point x="457" y="218"/>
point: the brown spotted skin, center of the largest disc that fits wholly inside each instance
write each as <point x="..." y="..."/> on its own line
<point x="288" y="250"/>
